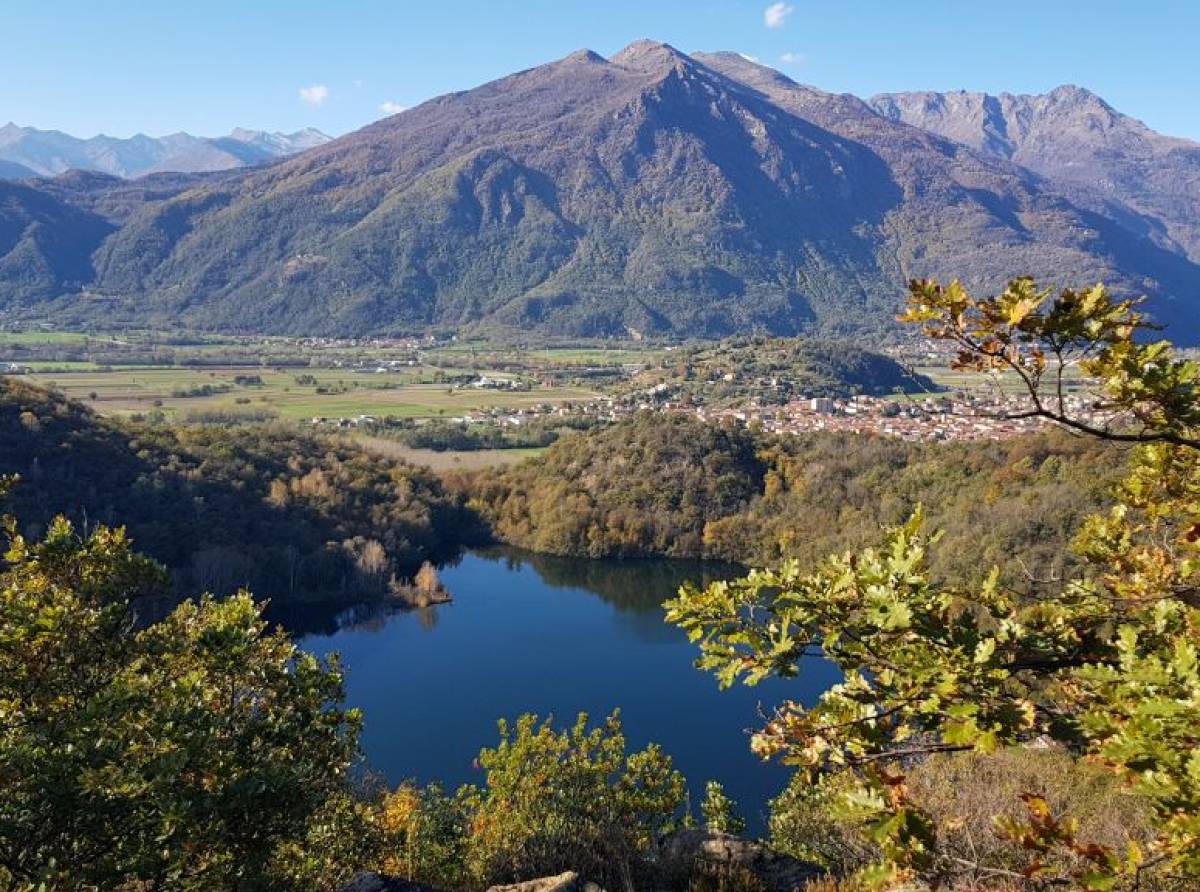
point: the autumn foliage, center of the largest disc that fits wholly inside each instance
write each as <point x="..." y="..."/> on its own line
<point x="1105" y="667"/>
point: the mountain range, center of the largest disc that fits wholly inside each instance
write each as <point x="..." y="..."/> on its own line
<point x="651" y="193"/>
<point x="26" y="152"/>
<point x="1076" y="139"/>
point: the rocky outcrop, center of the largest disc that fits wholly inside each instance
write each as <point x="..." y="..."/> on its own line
<point x="689" y="851"/>
<point x="564" y="882"/>
<point x="373" y="882"/>
<point x="682" y="856"/>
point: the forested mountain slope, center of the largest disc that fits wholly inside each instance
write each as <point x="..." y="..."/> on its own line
<point x="650" y="193"/>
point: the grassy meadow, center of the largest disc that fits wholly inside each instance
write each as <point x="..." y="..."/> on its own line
<point x="448" y="460"/>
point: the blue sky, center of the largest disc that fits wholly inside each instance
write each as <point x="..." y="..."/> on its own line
<point x="90" y="66"/>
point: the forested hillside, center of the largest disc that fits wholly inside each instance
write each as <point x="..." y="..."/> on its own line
<point x="300" y="516"/>
<point x="672" y="485"/>
<point x="286" y="514"/>
<point x="647" y="486"/>
<point x="763" y="369"/>
<point x="45" y="244"/>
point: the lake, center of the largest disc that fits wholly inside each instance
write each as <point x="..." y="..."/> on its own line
<point x="532" y="633"/>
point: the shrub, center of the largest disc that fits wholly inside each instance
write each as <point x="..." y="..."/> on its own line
<point x="421" y="833"/>
<point x="964" y="793"/>
<point x="200" y="752"/>
<point x="803" y="823"/>
<point x="568" y="800"/>
<point x="720" y="812"/>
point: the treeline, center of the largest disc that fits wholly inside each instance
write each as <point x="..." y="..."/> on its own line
<point x="290" y="515"/>
<point x="455" y="436"/>
<point x="108" y="352"/>
<point x="672" y="485"/>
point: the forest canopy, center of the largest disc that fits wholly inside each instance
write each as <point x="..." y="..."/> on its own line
<point x="291" y="515"/>
<point x="670" y="484"/>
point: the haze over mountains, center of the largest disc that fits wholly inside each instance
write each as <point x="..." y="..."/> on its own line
<point x="649" y="193"/>
<point x="26" y="152"/>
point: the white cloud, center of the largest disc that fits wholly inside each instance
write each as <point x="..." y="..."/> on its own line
<point x="358" y="84"/>
<point x="793" y="58"/>
<point x="314" y="95"/>
<point x="777" y="14"/>
<point x="392" y="108"/>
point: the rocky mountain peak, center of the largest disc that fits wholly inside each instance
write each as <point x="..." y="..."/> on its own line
<point x="587" y="56"/>
<point x="651" y="56"/>
<point x="1073" y="95"/>
<point x="51" y="152"/>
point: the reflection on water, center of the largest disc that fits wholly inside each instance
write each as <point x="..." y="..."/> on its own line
<point x="534" y="633"/>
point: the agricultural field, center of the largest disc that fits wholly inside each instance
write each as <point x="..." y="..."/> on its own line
<point x="1008" y="382"/>
<point x="47" y="350"/>
<point x="297" y="394"/>
<point x="594" y="355"/>
<point x="43" y="337"/>
<point x="186" y="375"/>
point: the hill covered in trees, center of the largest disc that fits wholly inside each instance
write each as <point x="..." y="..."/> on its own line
<point x="763" y="369"/>
<point x="287" y="514"/>
<point x="646" y="486"/>
<point x="662" y="484"/>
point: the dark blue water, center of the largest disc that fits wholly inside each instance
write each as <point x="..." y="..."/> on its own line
<point x="528" y="633"/>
